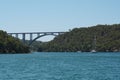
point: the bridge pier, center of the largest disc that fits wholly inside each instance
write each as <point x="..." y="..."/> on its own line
<point x="16" y="35"/>
<point x="23" y="37"/>
<point x="31" y="37"/>
<point x="38" y="34"/>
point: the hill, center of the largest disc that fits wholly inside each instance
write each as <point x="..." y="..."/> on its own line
<point x="82" y="39"/>
<point x="9" y="44"/>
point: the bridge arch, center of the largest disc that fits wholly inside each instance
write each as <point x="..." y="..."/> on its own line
<point x="30" y="43"/>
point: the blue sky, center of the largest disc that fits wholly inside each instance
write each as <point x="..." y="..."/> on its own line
<point x="56" y="15"/>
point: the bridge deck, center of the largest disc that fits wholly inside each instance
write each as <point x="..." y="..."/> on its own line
<point x="34" y="32"/>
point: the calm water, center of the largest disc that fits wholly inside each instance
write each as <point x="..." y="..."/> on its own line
<point x="60" y="66"/>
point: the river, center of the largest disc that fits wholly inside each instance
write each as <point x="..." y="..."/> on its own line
<point x="60" y="66"/>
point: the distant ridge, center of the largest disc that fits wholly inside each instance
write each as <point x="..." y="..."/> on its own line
<point x="81" y="39"/>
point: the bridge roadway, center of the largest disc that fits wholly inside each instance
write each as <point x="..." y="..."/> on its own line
<point x="31" y="34"/>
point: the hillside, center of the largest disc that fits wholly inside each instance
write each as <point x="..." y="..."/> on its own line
<point x="82" y="39"/>
<point x="8" y="44"/>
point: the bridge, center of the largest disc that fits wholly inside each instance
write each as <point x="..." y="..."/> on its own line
<point x="31" y="34"/>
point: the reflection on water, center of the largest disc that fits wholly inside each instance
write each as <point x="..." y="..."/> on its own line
<point x="60" y="66"/>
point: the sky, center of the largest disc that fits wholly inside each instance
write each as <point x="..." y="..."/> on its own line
<point x="56" y="15"/>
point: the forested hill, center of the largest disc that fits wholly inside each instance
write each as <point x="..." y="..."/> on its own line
<point x="8" y="44"/>
<point x="82" y="39"/>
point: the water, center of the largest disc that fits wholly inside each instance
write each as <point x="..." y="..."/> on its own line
<point x="60" y="66"/>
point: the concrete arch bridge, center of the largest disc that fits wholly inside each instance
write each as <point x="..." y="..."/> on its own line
<point x="31" y="34"/>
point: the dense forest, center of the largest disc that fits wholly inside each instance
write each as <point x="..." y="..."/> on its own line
<point x="82" y="39"/>
<point x="9" y="44"/>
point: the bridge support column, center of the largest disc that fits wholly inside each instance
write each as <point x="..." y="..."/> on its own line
<point x="23" y="37"/>
<point x="16" y="35"/>
<point x="38" y="34"/>
<point x="31" y="37"/>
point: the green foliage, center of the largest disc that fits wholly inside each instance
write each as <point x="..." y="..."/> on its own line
<point x="81" y="39"/>
<point x="8" y="44"/>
